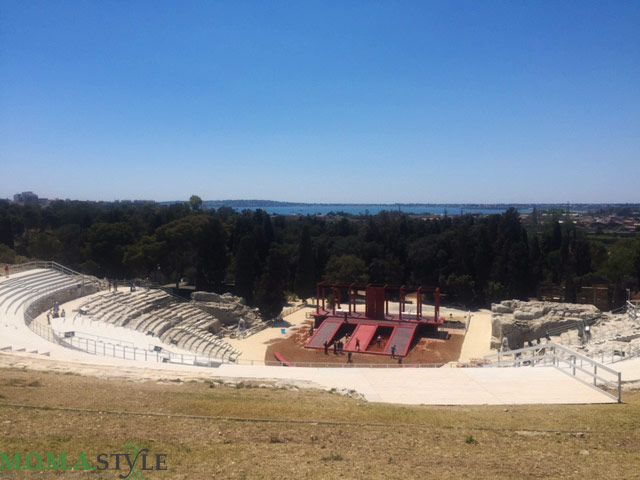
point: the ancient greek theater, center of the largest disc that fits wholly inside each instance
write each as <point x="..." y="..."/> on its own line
<point x="53" y="318"/>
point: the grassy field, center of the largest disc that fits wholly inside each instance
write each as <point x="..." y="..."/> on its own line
<point x="210" y="431"/>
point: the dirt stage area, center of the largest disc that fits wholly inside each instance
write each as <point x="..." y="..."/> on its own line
<point x="427" y="350"/>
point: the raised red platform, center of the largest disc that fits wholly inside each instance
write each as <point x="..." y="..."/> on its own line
<point x="393" y="329"/>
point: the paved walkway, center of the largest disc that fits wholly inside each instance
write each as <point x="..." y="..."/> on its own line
<point x="477" y="341"/>
<point x="254" y="348"/>
<point x="630" y="369"/>
<point x="408" y="386"/>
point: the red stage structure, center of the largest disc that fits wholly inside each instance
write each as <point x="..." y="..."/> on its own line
<point x="375" y="330"/>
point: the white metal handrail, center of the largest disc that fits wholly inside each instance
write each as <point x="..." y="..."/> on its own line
<point x="561" y="356"/>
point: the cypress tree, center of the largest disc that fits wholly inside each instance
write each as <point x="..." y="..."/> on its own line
<point x="305" y="272"/>
<point x="270" y="292"/>
<point x="245" y="272"/>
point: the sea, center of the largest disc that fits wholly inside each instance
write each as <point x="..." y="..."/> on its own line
<point x="373" y="209"/>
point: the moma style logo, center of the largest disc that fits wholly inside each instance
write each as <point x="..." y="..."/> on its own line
<point x="129" y="465"/>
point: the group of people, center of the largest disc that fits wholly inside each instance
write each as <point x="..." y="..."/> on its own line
<point x="55" y="312"/>
<point x="132" y="285"/>
<point x="338" y="348"/>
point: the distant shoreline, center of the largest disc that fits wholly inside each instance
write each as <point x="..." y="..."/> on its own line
<point x="423" y="209"/>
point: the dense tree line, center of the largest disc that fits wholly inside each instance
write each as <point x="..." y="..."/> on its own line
<point x="475" y="260"/>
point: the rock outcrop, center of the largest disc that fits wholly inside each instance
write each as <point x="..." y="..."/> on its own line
<point x="227" y="308"/>
<point x="521" y="321"/>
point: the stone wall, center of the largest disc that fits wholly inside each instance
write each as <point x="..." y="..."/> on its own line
<point x="227" y="308"/>
<point x="45" y="303"/>
<point x="520" y="321"/>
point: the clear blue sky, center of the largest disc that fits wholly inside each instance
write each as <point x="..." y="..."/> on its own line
<point x="345" y="101"/>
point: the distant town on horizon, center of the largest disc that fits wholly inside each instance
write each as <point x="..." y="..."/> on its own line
<point x="31" y="197"/>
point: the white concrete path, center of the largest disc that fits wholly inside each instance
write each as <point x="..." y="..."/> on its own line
<point x="630" y="369"/>
<point x="408" y="386"/>
<point x="477" y="341"/>
<point x="254" y="348"/>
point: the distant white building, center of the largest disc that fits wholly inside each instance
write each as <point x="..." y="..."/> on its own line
<point x="29" y="198"/>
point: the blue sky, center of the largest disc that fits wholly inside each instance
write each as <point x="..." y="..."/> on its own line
<point x="345" y="101"/>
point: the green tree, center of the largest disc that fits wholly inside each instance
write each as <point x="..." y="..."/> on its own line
<point x="106" y="246"/>
<point x="346" y="269"/>
<point x="6" y="231"/>
<point x="245" y="274"/>
<point x="195" y="202"/>
<point x="144" y="256"/>
<point x="45" y="246"/>
<point x="305" y="283"/>
<point x="461" y="288"/>
<point x="270" y="294"/>
<point x="196" y="241"/>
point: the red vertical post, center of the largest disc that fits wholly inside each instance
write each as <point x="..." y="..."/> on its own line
<point x="436" y="294"/>
<point x="317" y="298"/>
<point x="400" y="303"/>
<point x="386" y="300"/>
<point x="419" y="304"/>
<point x="355" y="294"/>
<point x="333" y="306"/>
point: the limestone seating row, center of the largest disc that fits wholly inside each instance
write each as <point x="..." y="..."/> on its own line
<point x="119" y="308"/>
<point x="36" y="351"/>
<point x="172" y="312"/>
<point x="213" y="346"/>
<point x="11" y="288"/>
<point x="199" y="325"/>
<point x="108" y="303"/>
<point x="184" y="318"/>
<point x="183" y="314"/>
<point x="52" y="288"/>
<point x="20" y="294"/>
<point x="197" y="340"/>
<point x="115" y="299"/>
<point x="26" y="278"/>
<point x="202" y="343"/>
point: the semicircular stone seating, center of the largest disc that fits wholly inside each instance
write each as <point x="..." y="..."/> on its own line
<point x="158" y="314"/>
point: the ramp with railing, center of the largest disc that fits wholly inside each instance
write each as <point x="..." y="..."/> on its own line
<point x="581" y="367"/>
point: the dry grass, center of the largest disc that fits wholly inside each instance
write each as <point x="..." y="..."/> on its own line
<point x="212" y="431"/>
